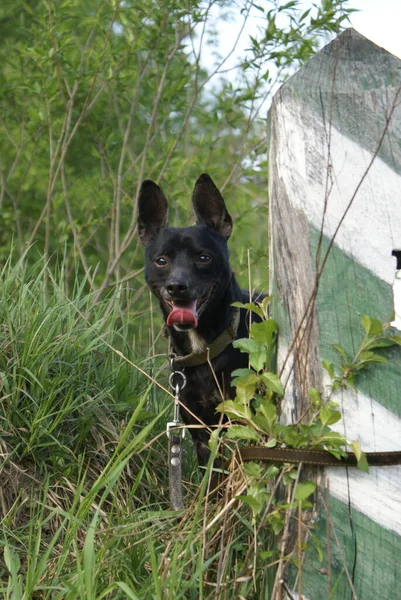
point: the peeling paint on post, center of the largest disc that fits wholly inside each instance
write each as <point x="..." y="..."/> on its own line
<point x="335" y="207"/>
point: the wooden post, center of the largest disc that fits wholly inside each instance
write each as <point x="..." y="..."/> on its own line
<point x="335" y="226"/>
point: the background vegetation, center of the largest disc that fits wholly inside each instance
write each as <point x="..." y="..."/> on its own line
<point x="94" y="97"/>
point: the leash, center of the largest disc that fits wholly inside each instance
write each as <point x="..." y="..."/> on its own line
<point x="317" y="457"/>
<point x="177" y="382"/>
<point x="313" y="457"/>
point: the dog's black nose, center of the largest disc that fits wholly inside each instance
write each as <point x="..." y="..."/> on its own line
<point x="176" y="287"/>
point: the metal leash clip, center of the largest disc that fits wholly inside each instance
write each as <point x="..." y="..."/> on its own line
<point x="177" y="381"/>
<point x="178" y="386"/>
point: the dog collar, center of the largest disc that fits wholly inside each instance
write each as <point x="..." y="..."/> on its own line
<point x="195" y="359"/>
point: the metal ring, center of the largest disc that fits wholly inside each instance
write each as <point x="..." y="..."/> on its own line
<point x="175" y="385"/>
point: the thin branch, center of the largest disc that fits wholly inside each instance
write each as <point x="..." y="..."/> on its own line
<point x="73" y="229"/>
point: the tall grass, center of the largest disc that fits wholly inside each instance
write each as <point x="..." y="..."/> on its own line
<point x="83" y="475"/>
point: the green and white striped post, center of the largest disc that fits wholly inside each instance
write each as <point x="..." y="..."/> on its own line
<point x="335" y="209"/>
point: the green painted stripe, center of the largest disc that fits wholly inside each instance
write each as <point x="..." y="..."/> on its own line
<point x="372" y="556"/>
<point x="347" y="291"/>
<point x="361" y="113"/>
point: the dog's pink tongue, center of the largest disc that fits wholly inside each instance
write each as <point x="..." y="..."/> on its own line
<point x="185" y="314"/>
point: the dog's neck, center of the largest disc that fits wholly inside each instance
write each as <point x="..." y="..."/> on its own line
<point x="212" y="323"/>
<point x="197" y="342"/>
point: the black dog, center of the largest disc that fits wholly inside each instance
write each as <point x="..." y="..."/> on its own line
<point x="188" y="270"/>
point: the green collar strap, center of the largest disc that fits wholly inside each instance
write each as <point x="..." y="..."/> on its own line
<point x="194" y="359"/>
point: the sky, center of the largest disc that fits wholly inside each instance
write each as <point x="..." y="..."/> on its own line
<point x="380" y="21"/>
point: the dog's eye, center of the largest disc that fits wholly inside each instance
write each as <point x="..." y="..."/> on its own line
<point x="161" y="261"/>
<point x="204" y="258"/>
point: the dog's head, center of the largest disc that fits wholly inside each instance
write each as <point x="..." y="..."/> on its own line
<point x="186" y="268"/>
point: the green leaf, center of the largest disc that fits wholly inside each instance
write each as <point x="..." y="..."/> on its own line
<point x="127" y="590"/>
<point x="256" y="497"/>
<point x="380" y="343"/>
<point x="293" y="474"/>
<point x="245" y="376"/>
<point x="253" y="502"/>
<point x="333" y="437"/>
<point x="242" y="432"/>
<point x="305" y="14"/>
<point x="369" y="357"/>
<point x="337" y="452"/>
<point x="235" y="410"/>
<point x="213" y="439"/>
<point x="242" y="373"/>
<point x="329" y="367"/>
<point x="372" y="326"/>
<point x="340" y="351"/>
<point x="304" y="490"/>
<point x="276" y="520"/>
<point x="328" y="416"/>
<point x="269" y="411"/>
<point x="253" y="469"/>
<point x="288" y="5"/>
<point x="272" y="472"/>
<point x="267" y="554"/>
<point x="245" y="390"/>
<point x="273" y="383"/>
<point x="265" y="305"/>
<point x="249" y="306"/>
<point x="290" y="436"/>
<point x="360" y="456"/>
<point x="257" y="360"/>
<point x="247" y="345"/>
<point x="315" y="396"/>
<point x="261" y="423"/>
<point x="89" y="554"/>
<point x="11" y="560"/>
<point x="277" y="525"/>
<point x="264" y="332"/>
<point x="363" y="463"/>
<point x="357" y="450"/>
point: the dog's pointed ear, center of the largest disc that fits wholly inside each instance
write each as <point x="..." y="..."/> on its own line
<point x="210" y="208"/>
<point x="152" y="211"/>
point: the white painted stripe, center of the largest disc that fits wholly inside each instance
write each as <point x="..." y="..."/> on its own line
<point x="365" y="420"/>
<point x="371" y="230"/>
<point x="376" y="494"/>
